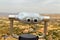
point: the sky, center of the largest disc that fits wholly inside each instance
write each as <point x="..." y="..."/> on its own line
<point x="40" y="6"/>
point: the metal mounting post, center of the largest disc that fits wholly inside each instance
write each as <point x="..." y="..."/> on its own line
<point x="11" y="29"/>
<point x="45" y="28"/>
<point x="11" y="26"/>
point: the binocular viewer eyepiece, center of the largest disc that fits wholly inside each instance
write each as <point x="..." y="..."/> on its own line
<point x="29" y="18"/>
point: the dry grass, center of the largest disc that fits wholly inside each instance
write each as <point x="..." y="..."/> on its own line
<point x="25" y="28"/>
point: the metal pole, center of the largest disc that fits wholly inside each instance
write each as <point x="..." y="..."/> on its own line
<point x="45" y="29"/>
<point x="11" y="26"/>
<point x="11" y="29"/>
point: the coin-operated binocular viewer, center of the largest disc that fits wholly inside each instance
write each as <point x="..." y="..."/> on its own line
<point x="29" y="18"/>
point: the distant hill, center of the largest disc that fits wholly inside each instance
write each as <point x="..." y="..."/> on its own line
<point x="6" y="14"/>
<point x="55" y="16"/>
<point x="51" y="15"/>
